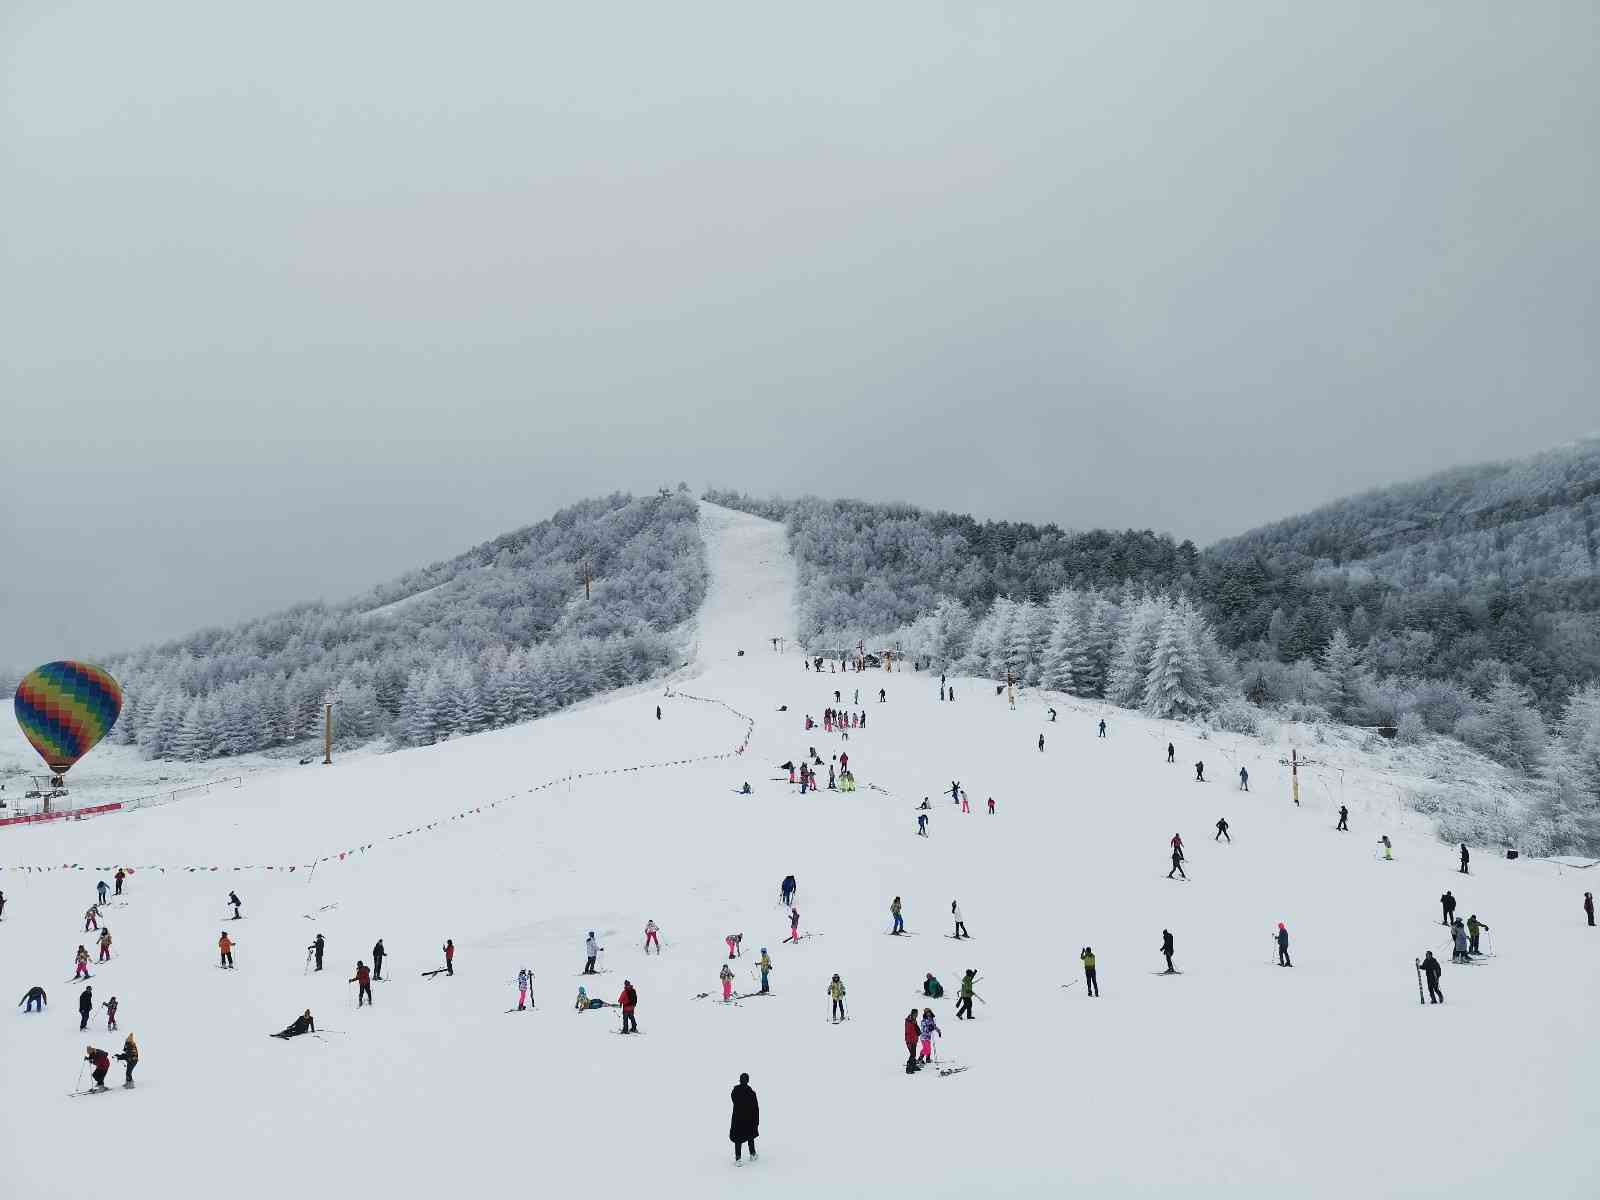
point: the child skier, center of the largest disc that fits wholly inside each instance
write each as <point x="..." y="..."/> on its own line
<point x="650" y="931"/>
<point x="726" y="975"/>
<point x="111" y="1013"/>
<point x="130" y="1059"/>
<point x="930" y="1028"/>
<point x="794" y="925"/>
<point x="225" y="949"/>
<point x="363" y="979"/>
<point x="836" y="992"/>
<point x="82" y="969"/>
<point x="105" y="944"/>
<point x="913" y="1031"/>
<point x="524" y="982"/>
<point x="734" y="940"/>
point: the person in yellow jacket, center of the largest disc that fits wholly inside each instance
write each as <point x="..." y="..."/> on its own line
<point x="836" y="991"/>
<point x="1091" y="983"/>
<point x="764" y="965"/>
<point x="130" y="1060"/>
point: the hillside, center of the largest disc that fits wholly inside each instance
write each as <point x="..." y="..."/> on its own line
<point x="1235" y="1076"/>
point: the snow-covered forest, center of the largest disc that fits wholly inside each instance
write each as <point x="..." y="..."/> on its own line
<point x="497" y="635"/>
<point x="1145" y="622"/>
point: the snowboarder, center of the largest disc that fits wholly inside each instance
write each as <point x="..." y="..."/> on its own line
<point x="449" y="956"/>
<point x="1222" y="830"/>
<point x="1447" y="903"/>
<point x="81" y="971"/>
<point x="922" y="824"/>
<point x="101" y="889"/>
<point x="1091" y="981"/>
<point x="102" y="1064"/>
<point x="1244" y="780"/>
<point x="378" y="955"/>
<point x="931" y="987"/>
<point x="1177" y="863"/>
<point x="34" y="998"/>
<point x="363" y="979"/>
<point x="129" y="1059"/>
<point x="794" y="926"/>
<point x="105" y="944"/>
<point x="1344" y="819"/>
<point x="629" y="999"/>
<point x="1283" y="946"/>
<point x="913" y="1031"/>
<point x="965" y="995"/>
<point x="1588" y="906"/>
<point x="734" y="941"/>
<point x="592" y="949"/>
<point x="1041" y="743"/>
<point x="930" y="1028"/>
<point x="1102" y="727"/>
<point x="1458" y="940"/>
<point x="1475" y="930"/>
<point x="1431" y="971"/>
<point x="961" y="926"/>
<point x="85" y="1006"/>
<point x="233" y="899"/>
<point x="726" y="975"/>
<point x="651" y="929"/>
<point x="1199" y="772"/>
<point x="899" y="921"/>
<point x="745" y="1126"/>
<point x="1167" y="947"/>
<point x="91" y="918"/>
<point x="1172" y="753"/>
<point x="301" y="1024"/>
<point x="225" y="951"/>
<point x="118" y="878"/>
<point x="764" y="965"/>
<point x="788" y="890"/>
<point x="1465" y="858"/>
<point x="317" y="947"/>
<point x="836" y="992"/>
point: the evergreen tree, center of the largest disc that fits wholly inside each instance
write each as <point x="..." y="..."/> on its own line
<point x="1175" y="683"/>
<point x="1130" y="668"/>
<point x="1341" y="667"/>
<point x="1505" y="726"/>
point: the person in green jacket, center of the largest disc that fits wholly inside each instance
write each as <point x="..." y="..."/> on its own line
<point x="932" y="988"/>
<point x="894" y="911"/>
<point x="1475" y="930"/>
<point x="1091" y="984"/>
<point x="964" y="1003"/>
<point x="836" y="991"/>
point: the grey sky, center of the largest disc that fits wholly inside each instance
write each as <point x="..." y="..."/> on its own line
<point x="295" y="297"/>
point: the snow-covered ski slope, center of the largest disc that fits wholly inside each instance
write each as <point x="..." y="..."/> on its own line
<point x="1324" y="1080"/>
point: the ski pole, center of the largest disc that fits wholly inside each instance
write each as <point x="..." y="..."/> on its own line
<point x="81" y="1067"/>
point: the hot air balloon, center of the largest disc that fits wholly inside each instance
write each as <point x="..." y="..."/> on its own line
<point x="65" y="708"/>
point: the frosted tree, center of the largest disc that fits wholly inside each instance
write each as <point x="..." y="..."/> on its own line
<point x="1066" y="665"/>
<point x="1175" y="683"/>
<point x="1572" y="763"/>
<point x="1505" y="726"/>
<point x="1130" y="666"/>
<point x="1342" y="672"/>
<point x="952" y="631"/>
<point x="1102" y="622"/>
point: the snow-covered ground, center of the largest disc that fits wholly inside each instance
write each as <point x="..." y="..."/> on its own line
<point x="1324" y="1080"/>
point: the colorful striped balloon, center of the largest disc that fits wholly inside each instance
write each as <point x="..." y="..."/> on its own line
<point x="64" y="708"/>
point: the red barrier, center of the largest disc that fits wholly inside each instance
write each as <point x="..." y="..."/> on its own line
<point x="75" y="814"/>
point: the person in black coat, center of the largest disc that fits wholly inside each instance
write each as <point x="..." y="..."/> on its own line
<point x="85" y="1006"/>
<point x="746" y="1125"/>
<point x="1431" y="970"/>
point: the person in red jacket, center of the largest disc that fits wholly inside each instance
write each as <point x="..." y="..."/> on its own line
<point x="913" y="1031"/>
<point x="629" y="1000"/>
<point x="363" y="978"/>
<point x="102" y="1064"/>
<point x="449" y="956"/>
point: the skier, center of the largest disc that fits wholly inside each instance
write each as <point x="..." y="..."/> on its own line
<point x="629" y="999"/>
<point x="658" y="712"/>
<point x="991" y="806"/>
<point x="961" y="926"/>
<point x="1431" y="970"/>
<point x="931" y="987"/>
<point x="734" y="940"/>
<point x="1172" y="753"/>
<point x="85" y="1006"/>
<point x="764" y="965"/>
<point x="1458" y="939"/>
<point x="1388" y="848"/>
<point x="1588" y="906"/>
<point x="1167" y="947"/>
<point x="1091" y="981"/>
<point x="2" y="906"/>
<point x="102" y="1064"/>
<point x="105" y="944"/>
<point x="225" y="950"/>
<point x="794" y="926"/>
<point x="233" y="899"/>
<point x="363" y="978"/>
<point x="449" y="956"/>
<point x="301" y="1024"/>
<point x="81" y="971"/>
<point x="788" y="889"/>
<point x="129" y="1059"/>
<point x="836" y="991"/>
<point x="651" y="929"/>
<point x="34" y="998"/>
<point x="1052" y="713"/>
<point x="1041" y="743"/>
<point x="101" y="889"/>
<point x="965" y="807"/>
<point x="922" y="824"/>
<point x="745" y="1126"/>
<point x="1222" y="830"/>
<point x="1447" y="903"/>
<point x="1244" y="780"/>
<point x="965" y="995"/>
<point x="1177" y="862"/>
<point x="1475" y="930"/>
<point x="592" y="949"/>
<point x="882" y="695"/>
<point x="91" y="918"/>
<point x="1283" y="946"/>
<point x="118" y="878"/>
<point x="584" y="1004"/>
<point x="1465" y="858"/>
<point x="316" y="948"/>
<point x="726" y="975"/>
<point x="930" y="1028"/>
<point x="524" y="982"/>
<point x="1344" y="819"/>
<point x="913" y="1031"/>
<point x="1199" y="772"/>
<point x="899" y="921"/>
<point x="378" y="955"/>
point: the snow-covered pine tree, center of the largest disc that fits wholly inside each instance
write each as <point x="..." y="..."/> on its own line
<point x="1130" y="666"/>
<point x="1341" y="666"/>
<point x="1572" y="763"/>
<point x="1505" y="726"/>
<point x="1066" y="666"/>
<point x="1175" y="684"/>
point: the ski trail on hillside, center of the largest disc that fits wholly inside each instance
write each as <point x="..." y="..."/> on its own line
<point x="751" y="596"/>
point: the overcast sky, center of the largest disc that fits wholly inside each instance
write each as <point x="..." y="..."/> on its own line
<point x="294" y="297"/>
